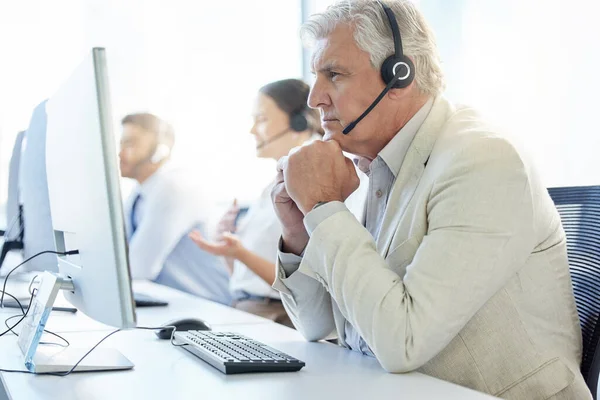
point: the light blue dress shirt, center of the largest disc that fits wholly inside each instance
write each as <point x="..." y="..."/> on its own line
<point x="169" y="205"/>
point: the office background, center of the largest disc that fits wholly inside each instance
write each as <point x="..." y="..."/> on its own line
<point x="200" y="69"/>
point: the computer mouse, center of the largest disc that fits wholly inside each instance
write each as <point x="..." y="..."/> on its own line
<point x="183" y="324"/>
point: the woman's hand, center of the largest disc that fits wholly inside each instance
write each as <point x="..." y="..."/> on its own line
<point x="228" y="245"/>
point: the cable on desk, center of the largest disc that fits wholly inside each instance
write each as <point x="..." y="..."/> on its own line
<point x="10" y="328"/>
<point x="60" y="253"/>
<point x="92" y="349"/>
<point x="23" y="315"/>
<point x="66" y="342"/>
<point x="81" y="359"/>
<point x="69" y="371"/>
<point x="164" y="327"/>
<point x="17" y="301"/>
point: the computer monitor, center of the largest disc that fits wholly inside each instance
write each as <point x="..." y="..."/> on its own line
<point x="38" y="234"/>
<point x="13" y="202"/>
<point x="85" y="197"/>
<point x="87" y="221"/>
<point x="28" y="207"/>
<point x="13" y="234"/>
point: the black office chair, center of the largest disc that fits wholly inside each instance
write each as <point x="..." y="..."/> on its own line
<point x="579" y="209"/>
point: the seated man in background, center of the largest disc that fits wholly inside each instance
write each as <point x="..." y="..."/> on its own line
<point x="164" y="207"/>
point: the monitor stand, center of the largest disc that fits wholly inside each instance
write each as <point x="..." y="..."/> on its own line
<point x="52" y="359"/>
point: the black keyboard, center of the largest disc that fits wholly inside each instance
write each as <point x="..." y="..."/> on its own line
<point x="143" y="300"/>
<point x="232" y="353"/>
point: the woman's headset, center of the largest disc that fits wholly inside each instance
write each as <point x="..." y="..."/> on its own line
<point x="298" y="123"/>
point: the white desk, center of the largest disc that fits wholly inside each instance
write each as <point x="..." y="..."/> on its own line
<point x="180" y="305"/>
<point x="164" y="372"/>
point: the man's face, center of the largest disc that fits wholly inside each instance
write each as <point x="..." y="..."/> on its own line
<point x="346" y="84"/>
<point x="137" y="146"/>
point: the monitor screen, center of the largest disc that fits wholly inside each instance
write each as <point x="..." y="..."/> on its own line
<point x="85" y="197"/>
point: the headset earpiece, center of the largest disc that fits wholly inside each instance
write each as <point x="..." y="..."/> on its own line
<point x="397" y="71"/>
<point x="398" y="65"/>
<point x="162" y="152"/>
<point x="298" y="122"/>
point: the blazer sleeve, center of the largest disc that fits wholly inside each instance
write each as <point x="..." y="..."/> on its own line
<point x="480" y="232"/>
<point x="305" y="299"/>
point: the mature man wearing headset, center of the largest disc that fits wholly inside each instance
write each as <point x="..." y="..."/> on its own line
<point x="459" y="269"/>
<point x="164" y="207"/>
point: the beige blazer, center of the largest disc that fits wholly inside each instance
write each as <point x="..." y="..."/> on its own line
<point x="468" y="280"/>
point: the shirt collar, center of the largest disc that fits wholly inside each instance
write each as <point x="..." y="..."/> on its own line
<point x="153" y="180"/>
<point x="394" y="152"/>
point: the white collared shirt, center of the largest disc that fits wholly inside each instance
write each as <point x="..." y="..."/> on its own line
<point x="170" y="206"/>
<point x="259" y="231"/>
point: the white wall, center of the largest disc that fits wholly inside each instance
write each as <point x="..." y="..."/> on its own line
<point x="531" y="66"/>
<point x="198" y="64"/>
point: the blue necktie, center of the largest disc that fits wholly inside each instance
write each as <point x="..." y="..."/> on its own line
<point x="133" y="208"/>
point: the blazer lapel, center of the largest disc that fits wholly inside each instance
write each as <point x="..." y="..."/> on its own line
<point x="411" y="171"/>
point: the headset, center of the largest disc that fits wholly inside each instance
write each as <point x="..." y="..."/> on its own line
<point x="397" y="71"/>
<point x="298" y="123"/>
<point x="160" y="153"/>
<point x="162" y="150"/>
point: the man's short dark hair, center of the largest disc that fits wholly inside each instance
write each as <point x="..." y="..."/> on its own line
<point x="151" y="123"/>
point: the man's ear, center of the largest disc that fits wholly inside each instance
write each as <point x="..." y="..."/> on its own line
<point x="399" y="94"/>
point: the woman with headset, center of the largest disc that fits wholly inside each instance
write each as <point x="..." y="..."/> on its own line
<point x="282" y="121"/>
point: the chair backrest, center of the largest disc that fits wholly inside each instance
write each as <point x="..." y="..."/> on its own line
<point x="579" y="209"/>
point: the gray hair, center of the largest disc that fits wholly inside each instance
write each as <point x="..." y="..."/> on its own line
<point x="373" y="35"/>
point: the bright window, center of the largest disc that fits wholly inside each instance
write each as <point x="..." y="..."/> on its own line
<point x="531" y="66"/>
<point x="197" y="64"/>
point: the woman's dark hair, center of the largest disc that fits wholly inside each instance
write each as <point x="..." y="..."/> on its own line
<point x="291" y="96"/>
